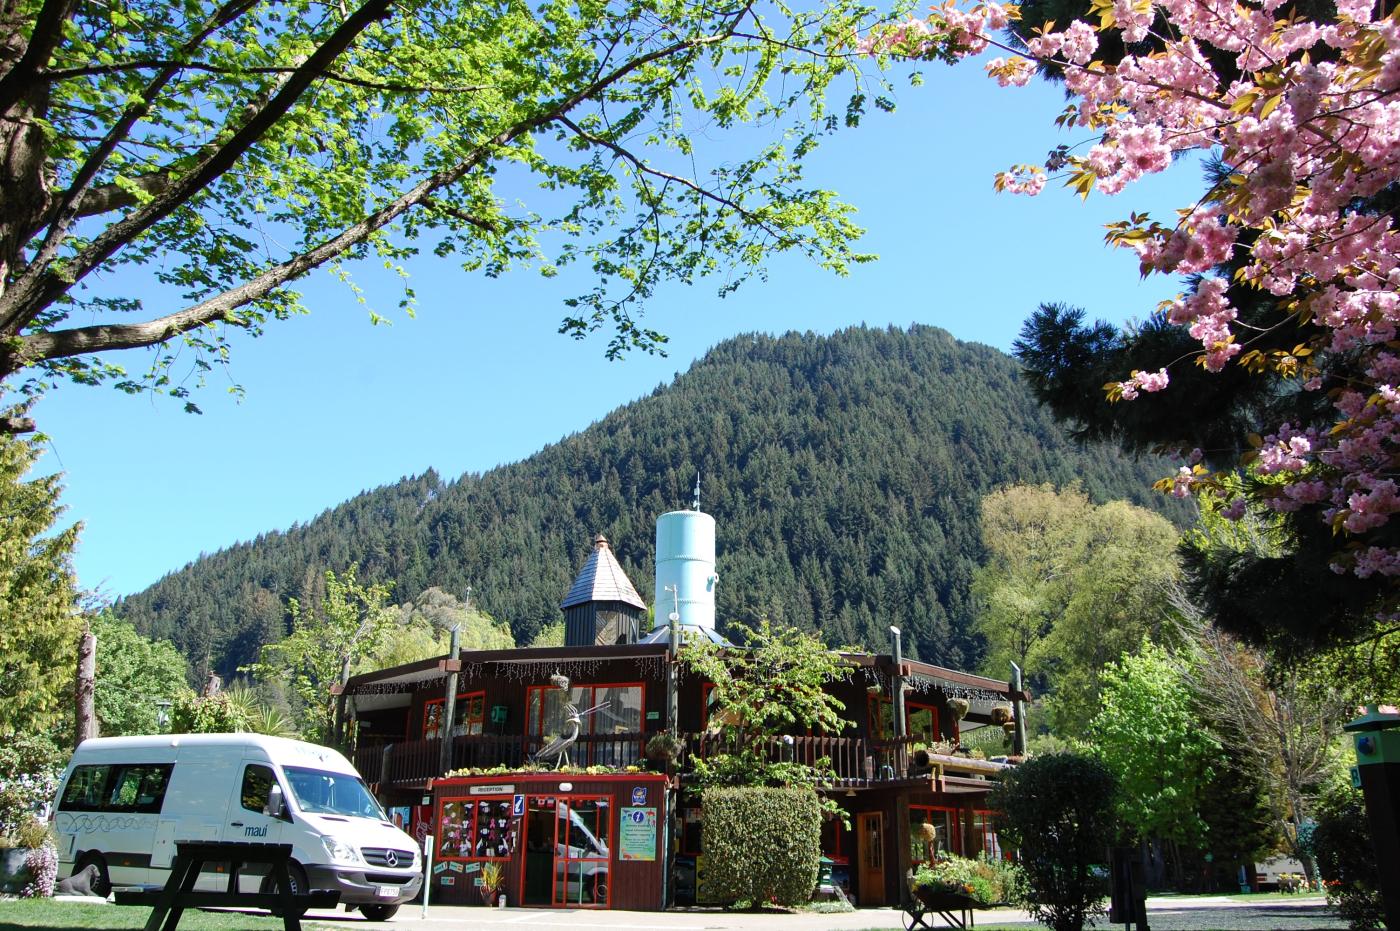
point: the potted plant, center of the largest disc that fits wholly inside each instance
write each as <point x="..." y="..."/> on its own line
<point x="664" y="748"/>
<point x="493" y="877"/>
<point x="28" y="860"/>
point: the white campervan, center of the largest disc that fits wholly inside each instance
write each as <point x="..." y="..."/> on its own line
<point x="123" y="802"/>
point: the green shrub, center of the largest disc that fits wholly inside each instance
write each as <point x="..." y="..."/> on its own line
<point x="1341" y="844"/>
<point x="762" y="845"/>
<point x="1058" y="811"/>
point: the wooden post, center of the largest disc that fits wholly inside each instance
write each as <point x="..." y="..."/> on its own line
<point x="85" y="715"/>
<point x="1018" y="711"/>
<point x="449" y="705"/>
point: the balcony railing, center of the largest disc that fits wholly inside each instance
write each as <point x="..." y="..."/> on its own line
<point x="854" y="760"/>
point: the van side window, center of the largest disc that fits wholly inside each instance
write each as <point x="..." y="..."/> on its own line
<point x="138" y="788"/>
<point x="257" y="784"/>
<point x="86" y="789"/>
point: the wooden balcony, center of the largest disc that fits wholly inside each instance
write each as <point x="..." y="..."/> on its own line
<point x="855" y="761"/>
<point x="413" y="762"/>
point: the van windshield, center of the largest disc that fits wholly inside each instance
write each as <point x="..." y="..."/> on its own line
<point x="322" y="793"/>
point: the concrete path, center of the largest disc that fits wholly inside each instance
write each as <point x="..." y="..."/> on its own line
<point x="1170" y="913"/>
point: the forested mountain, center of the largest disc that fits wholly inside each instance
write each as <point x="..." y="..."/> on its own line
<point x="844" y="474"/>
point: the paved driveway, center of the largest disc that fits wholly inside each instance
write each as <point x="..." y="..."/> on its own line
<point x="1164" y="914"/>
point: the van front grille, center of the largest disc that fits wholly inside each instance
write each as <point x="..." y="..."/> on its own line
<point x="379" y="856"/>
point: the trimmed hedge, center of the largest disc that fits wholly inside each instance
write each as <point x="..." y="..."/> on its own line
<point x="761" y="845"/>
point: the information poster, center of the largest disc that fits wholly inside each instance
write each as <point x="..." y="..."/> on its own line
<point x="638" y="834"/>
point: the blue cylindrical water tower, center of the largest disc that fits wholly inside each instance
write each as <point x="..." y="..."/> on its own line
<point x="685" y="562"/>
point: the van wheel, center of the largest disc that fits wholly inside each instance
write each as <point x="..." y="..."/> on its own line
<point x="378" y="912"/>
<point x="295" y="873"/>
<point x="101" y="883"/>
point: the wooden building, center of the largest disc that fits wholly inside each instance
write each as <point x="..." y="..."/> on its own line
<point x="579" y="839"/>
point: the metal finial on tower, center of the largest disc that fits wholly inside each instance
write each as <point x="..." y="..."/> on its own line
<point x="695" y="506"/>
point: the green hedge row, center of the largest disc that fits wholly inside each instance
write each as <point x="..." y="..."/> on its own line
<point x="761" y="845"/>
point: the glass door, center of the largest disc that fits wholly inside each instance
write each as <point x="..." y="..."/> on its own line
<point x="567" y="852"/>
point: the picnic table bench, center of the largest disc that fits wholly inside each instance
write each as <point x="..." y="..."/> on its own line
<point x="168" y="904"/>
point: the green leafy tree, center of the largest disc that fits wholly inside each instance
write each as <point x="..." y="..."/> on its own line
<point x="1029" y="535"/>
<point x="777" y="683"/>
<point x="1059" y="812"/>
<point x="219" y="713"/>
<point x="134" y="675"/>
<point x="1069" y="587"/>
<point x="325" y="644"/>
<point x="424" y="626"/>
<point x="1148" y="733"/>
<point x="225" y="150"/>
<point x="1341" y="842"/>
<point x="39" y="626"/>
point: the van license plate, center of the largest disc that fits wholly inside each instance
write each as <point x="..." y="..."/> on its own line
<point x="388" y="892"/>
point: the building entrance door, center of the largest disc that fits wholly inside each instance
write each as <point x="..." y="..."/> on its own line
<point x="567" y="851"/>
<point x="870" y="850"/>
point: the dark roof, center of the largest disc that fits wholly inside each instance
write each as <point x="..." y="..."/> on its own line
<point x="602" y="579"/>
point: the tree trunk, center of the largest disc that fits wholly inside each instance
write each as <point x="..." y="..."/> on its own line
<point x="24" y="188"/>
<point x="85" y="717"/>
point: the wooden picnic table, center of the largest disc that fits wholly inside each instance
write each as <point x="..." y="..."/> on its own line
<point x="168" y="904"/>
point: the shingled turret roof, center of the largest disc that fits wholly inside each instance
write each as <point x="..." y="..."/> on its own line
<point x="602" y="579"/>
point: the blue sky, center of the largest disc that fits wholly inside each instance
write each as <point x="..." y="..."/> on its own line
<point x="335" y="406"/>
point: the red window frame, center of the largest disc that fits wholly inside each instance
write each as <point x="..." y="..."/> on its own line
<point x="955" y="843"/>
<point x="607" y="841"/>
<point x="534" y="723"/>
<point x="988" y="829"/>
<point x="472" y="803"/>
<point x="875" y="711"/>
<point x="479" y="719"/>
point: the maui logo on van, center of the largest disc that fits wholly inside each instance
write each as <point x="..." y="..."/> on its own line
<point x="254" y="831"/>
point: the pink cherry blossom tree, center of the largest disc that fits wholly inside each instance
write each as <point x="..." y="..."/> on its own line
<point x="1292" y="251"/>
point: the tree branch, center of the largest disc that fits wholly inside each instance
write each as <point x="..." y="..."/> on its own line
<point x="65" y="213"/>
<point x="60" y="74"/>
<point x="104" y="337"/>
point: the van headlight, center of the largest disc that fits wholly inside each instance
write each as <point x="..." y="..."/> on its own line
<point x="341" y="852"/>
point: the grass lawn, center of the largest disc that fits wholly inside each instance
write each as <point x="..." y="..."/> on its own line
<point x="46" y="913"/>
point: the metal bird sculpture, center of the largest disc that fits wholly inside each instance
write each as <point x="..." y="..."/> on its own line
<point x="558" y="748"/>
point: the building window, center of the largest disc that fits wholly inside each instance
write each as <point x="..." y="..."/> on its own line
<point x="982" y="840"/>
<point x="920" y="720"/>
<point x="615" y="710"/>
<point x="941" y="837"/>
<point x="468" y="715"/>
<point x="477" y="828"/>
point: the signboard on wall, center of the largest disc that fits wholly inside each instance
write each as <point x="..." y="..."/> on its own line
<point x="491" y="790"/>
<point x="637" y="830"/>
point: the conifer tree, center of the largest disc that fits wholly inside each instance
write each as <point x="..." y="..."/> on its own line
<point x="39" y="625"/>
